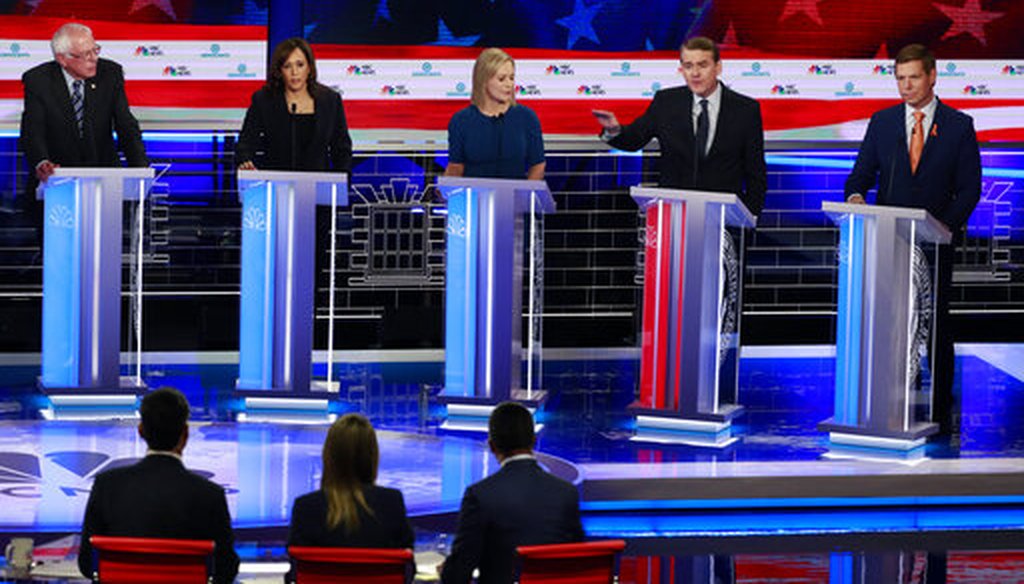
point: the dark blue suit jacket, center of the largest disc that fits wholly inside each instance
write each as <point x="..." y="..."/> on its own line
<point x="948" y="179"/>
<point x="521" y="504"/>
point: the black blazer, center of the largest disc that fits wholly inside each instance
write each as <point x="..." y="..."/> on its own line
<point x="521" y="504"/>
<point x="48" y="129"/>
<point x="734" y="164"/>
<point x="388" y="527"/>
<point x="948" y="179"/>
<point x="158" y="497"/>
<point x="267" y="129"/>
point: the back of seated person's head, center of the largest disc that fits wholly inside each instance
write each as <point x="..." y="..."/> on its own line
<point x="164" y="413"/>
<point x="510" y="429"/>
<point x="350" y="460"/>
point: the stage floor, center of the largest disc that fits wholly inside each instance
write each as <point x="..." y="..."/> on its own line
<point x="771" y="507"/>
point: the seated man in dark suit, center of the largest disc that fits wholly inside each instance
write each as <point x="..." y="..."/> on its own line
<point x="71" y="105"/>
<point x="924" y="154"/>
<point x="521" y="504"/>
<point x="158" y="497"/>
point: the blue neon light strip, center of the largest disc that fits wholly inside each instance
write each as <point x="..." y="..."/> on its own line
<point x="256" y="321"/>
<point x="808" y="502"/>
<point x="460" y="295"/>
<point x="850" y="309"/>
<point x="62" y="284"/>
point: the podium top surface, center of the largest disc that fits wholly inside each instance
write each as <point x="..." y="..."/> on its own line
<point x="114" y="172"/>
<point x="292" y="176"/>
<point x="930" y="228"/>
<point x="738" y="214"/>
<point x="519" y="186"/>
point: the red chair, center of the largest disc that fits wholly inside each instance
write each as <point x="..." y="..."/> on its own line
<point x="145" y="560"/>
<point x="331" y="565"/>
<point x="591" y="562"/>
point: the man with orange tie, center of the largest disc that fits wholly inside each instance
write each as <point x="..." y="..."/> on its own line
<point x="924" y="154"/>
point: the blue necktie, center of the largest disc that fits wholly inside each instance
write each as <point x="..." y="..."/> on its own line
<point x="78" y="104"/>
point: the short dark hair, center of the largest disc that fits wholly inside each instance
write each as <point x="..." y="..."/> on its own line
<point x="510" y="428"/>
<point x="700" y="43"/>
<point x="282" y="51"/>
<point x="164" y="414"/>
<point x="917" y="52"/>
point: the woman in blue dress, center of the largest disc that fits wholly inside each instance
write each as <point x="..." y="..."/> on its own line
<point x="494" y="137"/>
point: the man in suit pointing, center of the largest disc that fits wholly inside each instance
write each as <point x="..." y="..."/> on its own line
<point x="71" y="105"/>
<point x="711" y="137"/>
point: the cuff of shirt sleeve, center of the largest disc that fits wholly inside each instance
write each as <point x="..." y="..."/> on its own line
<point x="607" y="134"/>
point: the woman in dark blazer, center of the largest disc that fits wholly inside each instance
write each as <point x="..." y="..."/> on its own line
<point x="294" y="121"/>
<point x="349" y="510"/>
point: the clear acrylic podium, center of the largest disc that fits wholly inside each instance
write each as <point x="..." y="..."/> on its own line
<point x="276" y="304"/>
<point x="692" y="300"/>
<point x="884" y="326"/>
<point x="495" y="231"/>
<point x="82" y="256"/>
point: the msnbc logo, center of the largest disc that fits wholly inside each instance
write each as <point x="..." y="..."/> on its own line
<point x="785" y="90"/>
<point x="527" y="90"/>
<point x="977" y="90"/>
<point x="590" y="90"/>
<point x="821" y="70"/>
<point x="883" y="70"/>
<point x="177" y="71"/>
<point x="150" y="51"/>
<point x="394" y="90"/>
<point x="361" y="70"/>
<point x="559" y="70"/>
<point x="1013" y="70"/>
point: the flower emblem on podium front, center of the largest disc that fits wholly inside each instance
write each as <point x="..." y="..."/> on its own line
<point x="457" y="226"/>
<point x="61" y="216"/>
<point x="254" y="219"/>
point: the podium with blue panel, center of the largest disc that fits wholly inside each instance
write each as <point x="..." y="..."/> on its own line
<point x="277" y="292"/>
<point x="494" y="240"/>
<point x="884" y="327"/>
<point x="82" y="263"/>
<point x="692" y="301"/>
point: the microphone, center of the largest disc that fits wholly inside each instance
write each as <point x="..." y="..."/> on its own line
<point x="291" y="127"/>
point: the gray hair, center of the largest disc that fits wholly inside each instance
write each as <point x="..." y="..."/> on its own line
<point x="61" y="41"/>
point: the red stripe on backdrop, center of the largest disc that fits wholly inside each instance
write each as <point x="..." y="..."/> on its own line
<point x="42" y="28"/>
<point x="179" y="93"/>
<point x="1002" y="135"/>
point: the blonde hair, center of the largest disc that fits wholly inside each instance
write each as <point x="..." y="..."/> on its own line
<point x="486" y="66"/>
<point x="350" y="461"/>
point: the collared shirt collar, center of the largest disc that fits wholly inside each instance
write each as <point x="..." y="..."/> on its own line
<point x="926" y="123"/>
<point x="170" y="453"/>
<point x="69" y="80"/>
<point x="518" y="457"/>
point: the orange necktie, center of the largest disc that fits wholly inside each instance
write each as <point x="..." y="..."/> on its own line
<point x="916" y="141"/>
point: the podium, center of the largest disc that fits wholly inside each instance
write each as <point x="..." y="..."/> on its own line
<point x="494" y="232"/>
<point x="692" y="301"/>
<point x="82" y="255"/>
<point x="276" y="304"/>
<point x="884" y="326"/>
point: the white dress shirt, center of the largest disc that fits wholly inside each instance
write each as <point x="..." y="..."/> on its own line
<point x="926" y="123"/>
<point x="714" y="106"/>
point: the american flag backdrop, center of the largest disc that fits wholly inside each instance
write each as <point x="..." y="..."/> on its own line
<point x="819" y="67"/>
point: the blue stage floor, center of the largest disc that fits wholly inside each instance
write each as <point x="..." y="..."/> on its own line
<point x="46" y="467"/>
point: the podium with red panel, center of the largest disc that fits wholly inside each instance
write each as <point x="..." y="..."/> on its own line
<point x="693" y="276"/>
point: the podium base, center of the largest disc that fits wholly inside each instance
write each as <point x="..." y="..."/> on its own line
<point x="859" y="442"/>
<point x="713" y="430"/>
<point x="284" y="407"/>
<point x="471" y="414"/>
<point x="93" y="403"/>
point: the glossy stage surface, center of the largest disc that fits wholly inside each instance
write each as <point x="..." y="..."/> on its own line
<point x="46" y="467"/>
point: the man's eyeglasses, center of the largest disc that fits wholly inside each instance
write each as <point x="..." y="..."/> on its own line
<point x="94" y="53"/>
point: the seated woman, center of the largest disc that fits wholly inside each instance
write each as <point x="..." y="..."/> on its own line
<point x="349" y="510"/>
<point x="494" y="137"/>
<point x="297" y="123"/>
